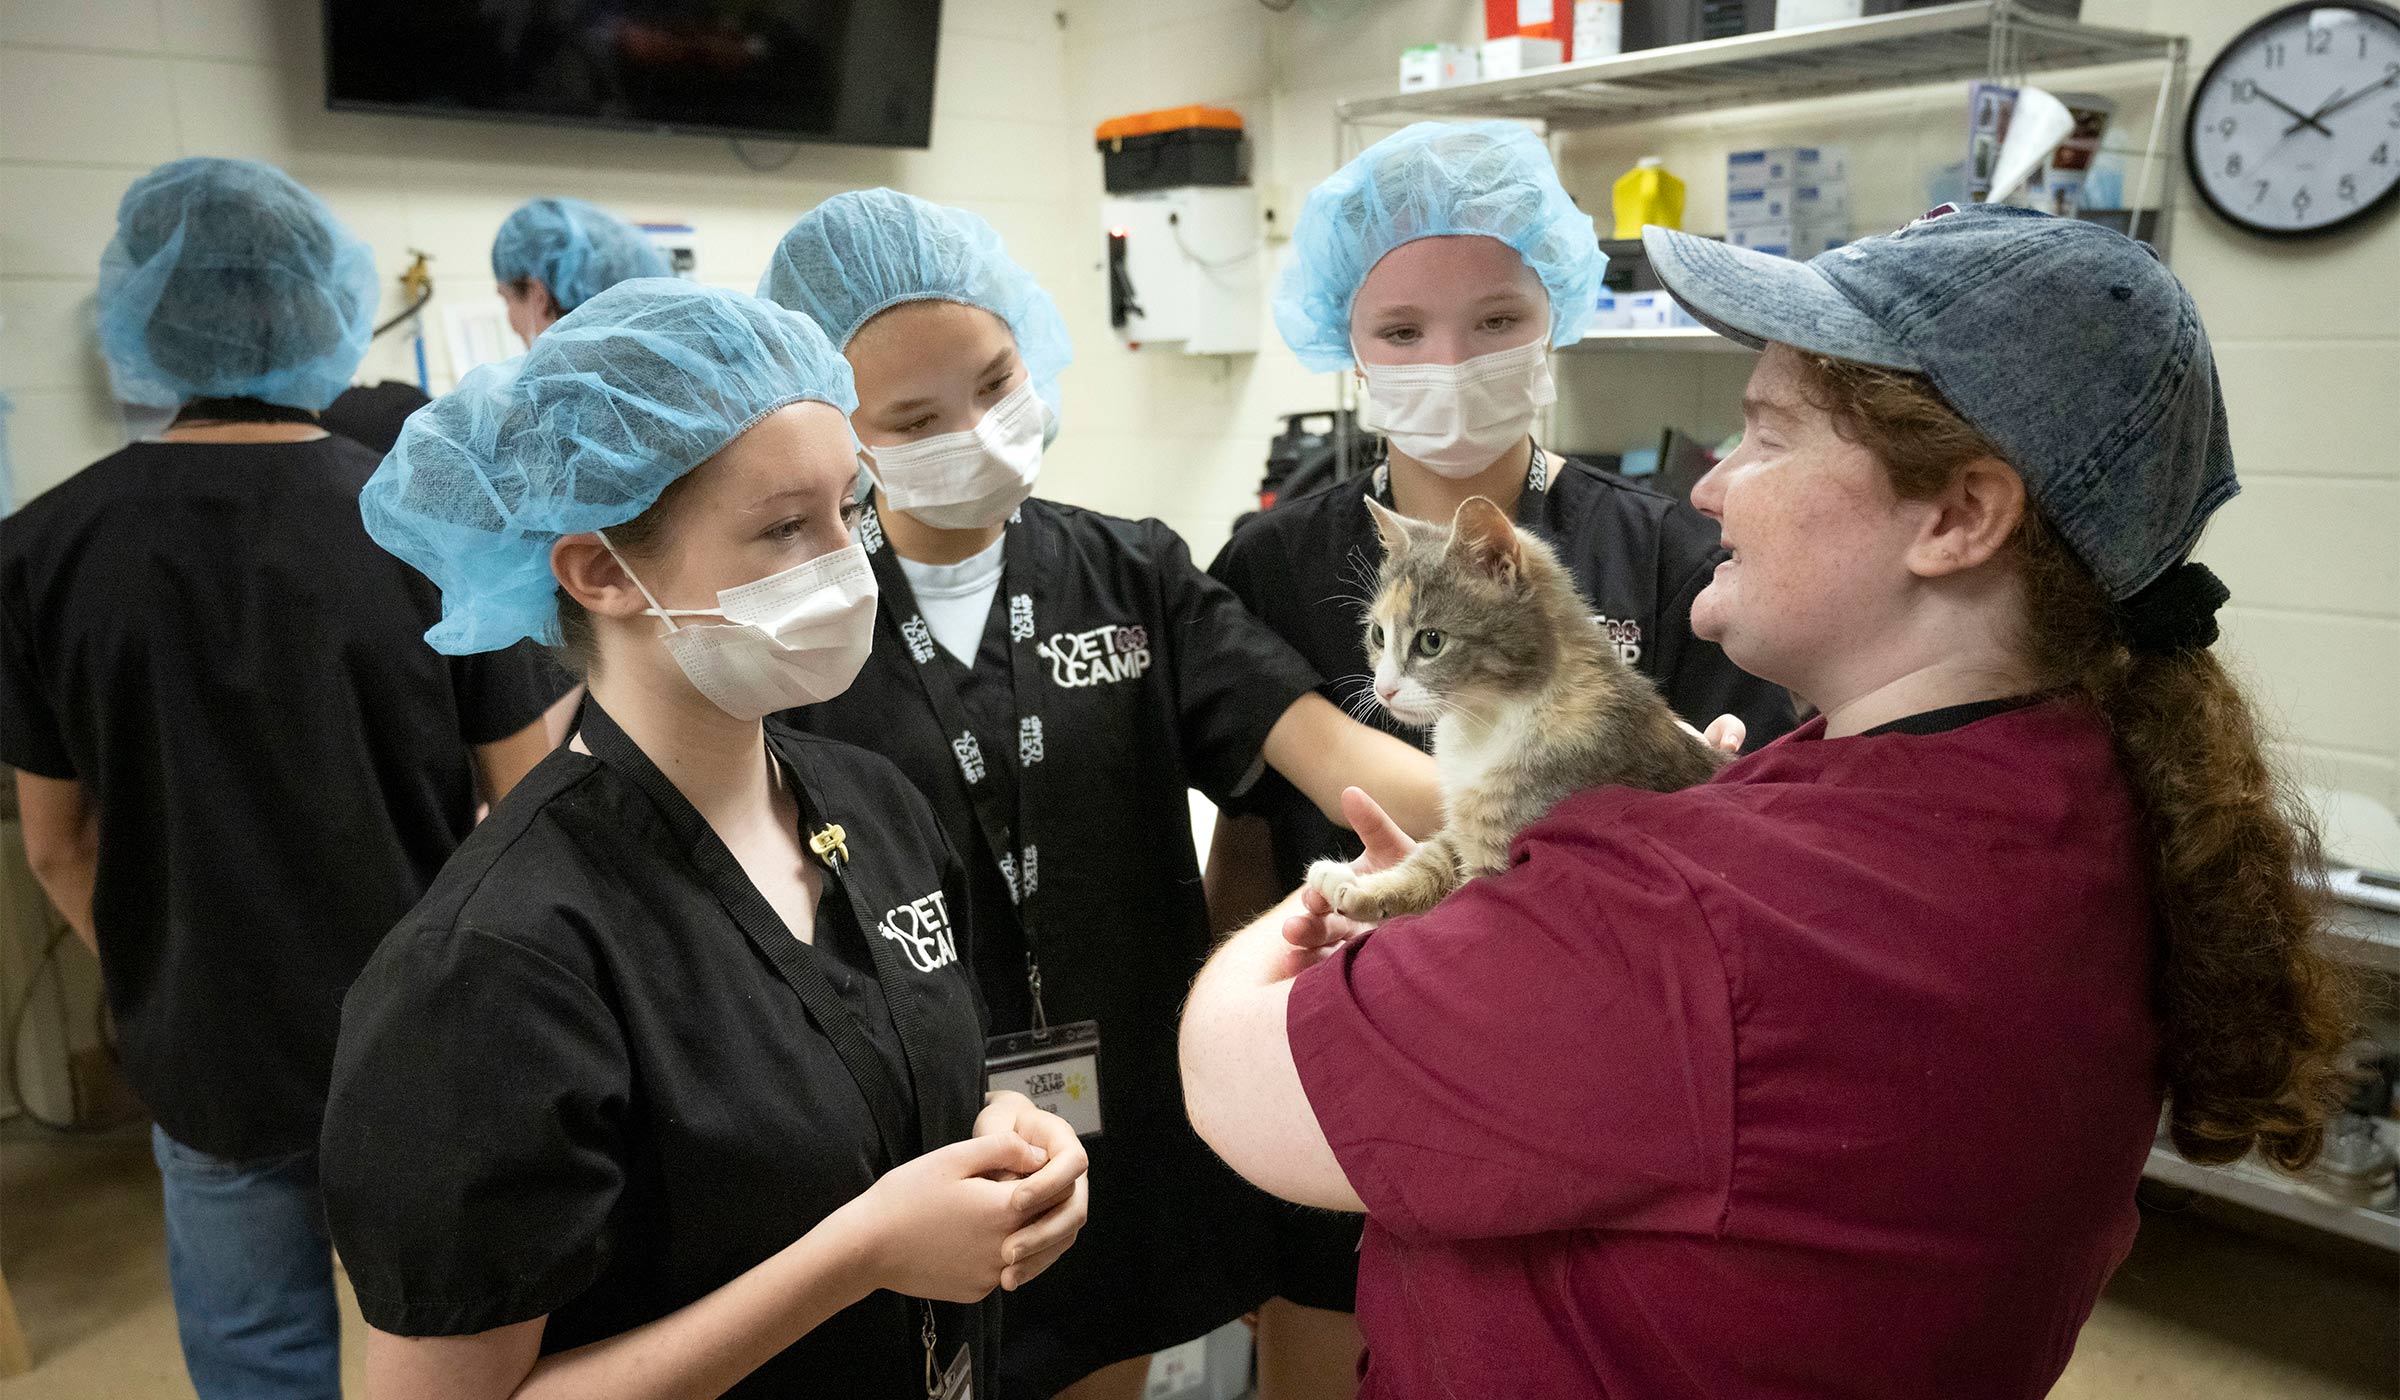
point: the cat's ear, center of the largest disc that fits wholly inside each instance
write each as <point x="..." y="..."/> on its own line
<point x="1484" y="539"/>
<point x="1390" y="524"/>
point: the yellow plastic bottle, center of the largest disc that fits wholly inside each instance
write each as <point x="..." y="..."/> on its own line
<point x="1648" y="194"/>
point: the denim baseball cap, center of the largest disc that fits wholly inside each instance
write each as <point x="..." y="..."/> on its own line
<point x="2070" y="347"/>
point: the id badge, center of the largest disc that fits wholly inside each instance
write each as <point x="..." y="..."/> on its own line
<point x="958" y="1382"/>
<point x="1057" y="1067"/>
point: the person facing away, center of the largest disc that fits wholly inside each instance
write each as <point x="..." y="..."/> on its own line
<point x="1441" y="266"/>
<point x="737" y="1141"/>
<point x="1056" y="680"/>
<point x="1604" y="1109"/>
<point x="238" y="763"/>
<point x="554" y="254"/>
<point x="550" y="256"/>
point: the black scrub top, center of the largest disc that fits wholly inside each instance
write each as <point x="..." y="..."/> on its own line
<point x="203" y="636"/>
<point x="575" y="1082"/>
<point x="1147" y="678"/>
<point x="1308" y="568"/>
<point x="372" y="415"/>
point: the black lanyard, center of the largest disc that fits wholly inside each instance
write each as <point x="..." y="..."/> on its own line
<point x="798" y="967"/>
<point x="902" y="623"/>
<point x="1537" y="482"/>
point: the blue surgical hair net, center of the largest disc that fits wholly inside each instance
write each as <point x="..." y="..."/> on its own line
<point x="625" y="394"/>
<point x="225" y="280"/>
<point x="1430" y="180"/>
<point x="577" y="250"/>
<point x="869" y="250"/>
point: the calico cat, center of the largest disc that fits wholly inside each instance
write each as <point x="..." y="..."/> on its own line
<point x="1479" y="631"/>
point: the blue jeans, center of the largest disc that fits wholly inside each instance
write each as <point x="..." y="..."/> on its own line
<point x="252" y="1272"/>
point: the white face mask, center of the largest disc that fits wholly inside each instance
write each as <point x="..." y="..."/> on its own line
<point x="792" y="638"/>
<point x="1458" y="419"/>
<point x="966" y="481"/>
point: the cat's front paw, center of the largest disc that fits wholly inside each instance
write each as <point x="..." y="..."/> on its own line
<point x="1373" y="901"/>
<point x="1332" y="879"/>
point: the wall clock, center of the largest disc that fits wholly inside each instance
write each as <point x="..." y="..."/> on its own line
<point x="2295" y="130"/>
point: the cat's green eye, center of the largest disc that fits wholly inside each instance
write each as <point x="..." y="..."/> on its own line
<point x="1375" y="635"/>
<point x="1430" y="643"/>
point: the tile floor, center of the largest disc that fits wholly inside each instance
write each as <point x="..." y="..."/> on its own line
<point x="2204" y="1310"/>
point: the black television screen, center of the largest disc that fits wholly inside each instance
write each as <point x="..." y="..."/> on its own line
<point x="855" y="72"/>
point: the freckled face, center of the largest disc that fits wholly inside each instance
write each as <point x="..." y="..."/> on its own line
<point x="1818" y="537"/>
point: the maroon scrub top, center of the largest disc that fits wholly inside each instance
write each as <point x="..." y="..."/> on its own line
<point x="1834" y="1076"/>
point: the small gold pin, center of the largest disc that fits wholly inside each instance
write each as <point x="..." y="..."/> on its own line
<point x="832" y="844"/>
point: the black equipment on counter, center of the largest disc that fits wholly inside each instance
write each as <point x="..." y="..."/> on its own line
<point x="1682" y="461"/>
<point x="1314" y="449"/>
<point x="1651" y="24"/>
<point x="1654" y="24"/>
<point x="1629" y="267"/>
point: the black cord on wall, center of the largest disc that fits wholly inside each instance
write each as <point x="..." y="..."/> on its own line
<point x="764" y="169"/>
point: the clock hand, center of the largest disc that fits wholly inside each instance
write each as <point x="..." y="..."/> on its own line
<point x="2322" y="108"/>
<point x="2338" y="102"/>
<point x="2305" y="118"/>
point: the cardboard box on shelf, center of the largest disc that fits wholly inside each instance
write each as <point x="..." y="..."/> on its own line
<point x="1510" y="57"/>
<point x="1786" y="165"/>
<point x="1801" y="204"/>
<point x="1799" y="14"/>
<point x="1431" y="66"/>
<point x="1788" y="240"/>
<point x="1640" y="311"/>
<point x="1599" y="29"/>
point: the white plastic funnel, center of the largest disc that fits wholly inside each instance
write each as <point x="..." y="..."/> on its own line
<point x="2035" y="128"/>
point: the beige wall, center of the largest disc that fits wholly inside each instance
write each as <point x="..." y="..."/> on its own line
<point x="2307" y="335"/>
<point x="94" y="91"/>
<point x="2308" y="345"/>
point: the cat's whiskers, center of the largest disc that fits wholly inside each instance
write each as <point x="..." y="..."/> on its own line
<point x="1361" y="702"/>
<point x="1364" y="575"/>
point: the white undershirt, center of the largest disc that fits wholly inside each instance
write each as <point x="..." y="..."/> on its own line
<point x="956" y="599"/>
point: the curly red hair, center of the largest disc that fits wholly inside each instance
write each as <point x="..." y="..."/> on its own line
<point x="2255" y="1016"/>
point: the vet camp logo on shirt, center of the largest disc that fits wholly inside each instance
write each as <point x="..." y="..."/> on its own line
<point x="1624" y="634"/>
<point x="922" y="929"/>
<point x="1097" y="657"/>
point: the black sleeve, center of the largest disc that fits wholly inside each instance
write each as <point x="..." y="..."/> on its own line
<point x="1236" y="566"/>
<point x="1699" y="682"/>
<point x="500" y="692"/>
<point x="371" y="415"/>
<point x="960" y="895"/>
<point x="1232" y="676"/>
<point x="1240" y="567"/>
<point x="30" y="738"/>
<point x="473" y="1148"/>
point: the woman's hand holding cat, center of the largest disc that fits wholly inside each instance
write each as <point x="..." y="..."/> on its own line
<point x="1726" y="733"/>
<point x="1322" y="928"/>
